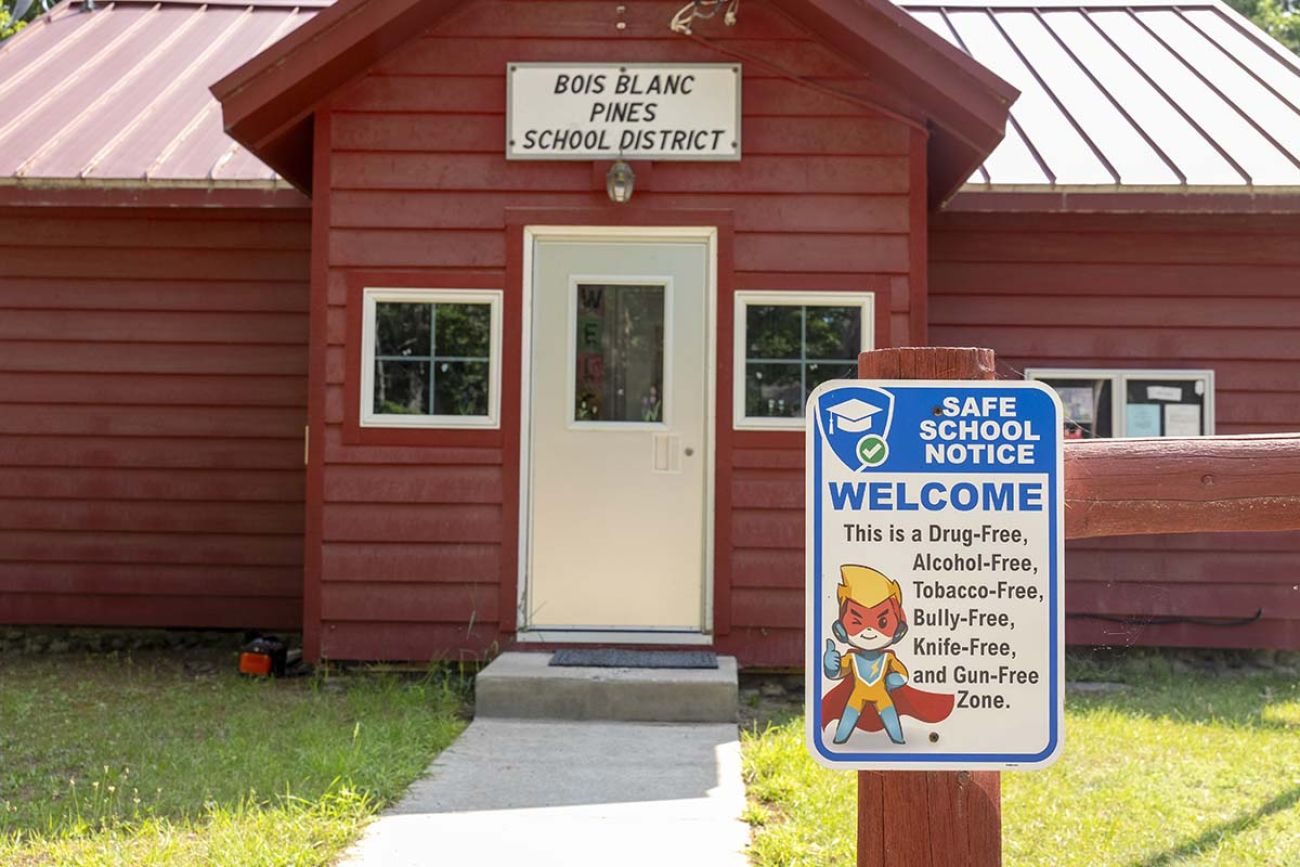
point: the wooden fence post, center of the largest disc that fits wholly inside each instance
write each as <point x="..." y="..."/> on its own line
<point x="929" y="818"/>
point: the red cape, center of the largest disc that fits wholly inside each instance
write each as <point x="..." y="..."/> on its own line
<point x="931" y="707"/>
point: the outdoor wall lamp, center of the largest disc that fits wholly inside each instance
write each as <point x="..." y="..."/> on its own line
<point x="620" y="180"/>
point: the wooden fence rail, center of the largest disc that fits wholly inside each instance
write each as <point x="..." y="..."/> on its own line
<point x="1230" y="484"/>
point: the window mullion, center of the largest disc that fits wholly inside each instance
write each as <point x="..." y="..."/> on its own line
<point x="803" y="353"/>
<point x="433" y="354"/>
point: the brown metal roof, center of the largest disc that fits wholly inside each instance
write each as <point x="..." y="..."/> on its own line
<point x="1125" y="94"/>
<point x="120" y="93"/>
<point x="1116" y="94"/>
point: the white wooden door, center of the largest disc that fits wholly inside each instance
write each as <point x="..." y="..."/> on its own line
<point x="618" y="434"/>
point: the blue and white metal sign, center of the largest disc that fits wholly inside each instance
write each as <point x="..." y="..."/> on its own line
<point x="935" y="544"/>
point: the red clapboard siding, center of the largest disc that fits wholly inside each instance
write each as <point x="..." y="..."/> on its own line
<point x="150" y="579"/>
<point x="145" y="420"/>
<point x="19" y="293"/>
<point x="97" y="388"/>
<point x="206" y="611"/>
<point x="370" y="562"/>
<point x="763" y="647"/>
<point x="94" y="483"/>
<point x="766" y="568"/>
<point x="753" y="212"/>
<point x="185" y="263"/>
<point x="151" y="516"/>
<point x="147" y="452"/>
<point x="419" y="603"/>
<point x="152" y="400"/>
<point x="150" y="327"/>
<point x="272" y="232"/>
<point x="761" y="174"/>
<point x="1199" y="542"/>
<point x="1191" y="567"/>
<point x="200" y="549"/>
<point x="1168" y="291"/>
<point x="418" y="192"/>
<point x="348" y="639"/>
<point x="391" y="93"/>
<point x="1178" y="598"/>
<point x="767" y="489"/>
<point x="1263" y="633"/>
<point x="767" y="607"/>
<point x="489" y="56"/>
<point x="438" y="484"/>
<point x="483" y="133"/>
<point x="1091" y="278"/>
<point x="412" y="523"/>
<point x="128" y="357"/>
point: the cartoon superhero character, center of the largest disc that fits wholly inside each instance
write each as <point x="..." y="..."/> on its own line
<point x="873" y="689"/>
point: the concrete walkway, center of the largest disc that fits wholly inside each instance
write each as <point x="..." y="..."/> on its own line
<point x="543" y="793"/>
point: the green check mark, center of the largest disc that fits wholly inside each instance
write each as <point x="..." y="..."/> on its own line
<point x="872" y="450"/>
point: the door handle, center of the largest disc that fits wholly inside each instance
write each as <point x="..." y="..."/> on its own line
<point x="689" y="451"/>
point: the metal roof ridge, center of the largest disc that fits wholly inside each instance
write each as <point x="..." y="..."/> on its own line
<point x="141" y="183"/>
<point x="1054" y="4"/>
<point x="256" y="4"/>
<point x="1171" y="189"/>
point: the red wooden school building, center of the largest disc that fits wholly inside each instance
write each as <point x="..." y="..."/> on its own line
<point x="322" y="365"/>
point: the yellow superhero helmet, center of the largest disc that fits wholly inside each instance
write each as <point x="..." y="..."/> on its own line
<point x="867" y="587"/>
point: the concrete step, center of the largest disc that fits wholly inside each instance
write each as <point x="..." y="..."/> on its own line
<point x="526" y="686"/>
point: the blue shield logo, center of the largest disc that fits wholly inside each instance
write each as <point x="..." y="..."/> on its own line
<point x="855" y="422"/>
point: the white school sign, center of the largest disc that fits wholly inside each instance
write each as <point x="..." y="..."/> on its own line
<point x="936" y="535"/>
<point x="559" y="111"/>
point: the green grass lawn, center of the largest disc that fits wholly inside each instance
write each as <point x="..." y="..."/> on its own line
<point x="1192" y="764"/>
<point x="132" y="759"/>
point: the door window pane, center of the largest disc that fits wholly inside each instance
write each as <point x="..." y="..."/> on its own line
<point x="619" y="353"/>
<point x="790" y="349"/>
<point x="432" y="358"/>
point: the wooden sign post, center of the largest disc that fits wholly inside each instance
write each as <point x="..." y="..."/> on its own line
<point x="929" y="818"/>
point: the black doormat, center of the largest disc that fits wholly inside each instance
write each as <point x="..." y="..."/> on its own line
<point x="607" y="658"/>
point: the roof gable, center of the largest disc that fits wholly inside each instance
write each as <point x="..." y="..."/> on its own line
<point x="268" y="102"/>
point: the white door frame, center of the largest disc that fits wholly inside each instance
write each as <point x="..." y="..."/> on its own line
<point x="634" y="234"/>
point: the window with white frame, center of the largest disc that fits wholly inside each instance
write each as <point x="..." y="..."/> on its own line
<point x="1132" y="403"/>
<point x="788" y="343"/>
<point x="431" y="358"/>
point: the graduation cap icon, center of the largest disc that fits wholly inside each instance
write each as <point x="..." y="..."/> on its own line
<point x="852" y="416"/>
